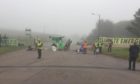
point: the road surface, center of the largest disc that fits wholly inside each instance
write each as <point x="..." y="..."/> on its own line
<point x="23" y="67"/>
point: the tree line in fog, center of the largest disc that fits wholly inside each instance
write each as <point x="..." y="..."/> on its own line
<point x="106" y="28"/>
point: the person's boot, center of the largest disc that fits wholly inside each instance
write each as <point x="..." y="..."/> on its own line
<point x="133" y="69"/>
<point x="39" y="57"/>
<point x="129" y="68"/>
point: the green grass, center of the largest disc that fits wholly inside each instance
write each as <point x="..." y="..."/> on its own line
<point x="122" y="53"/>
<point x="4" y="50"/>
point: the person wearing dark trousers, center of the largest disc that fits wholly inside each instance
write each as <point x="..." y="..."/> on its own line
<point x="39" y="53"/>
<point x="39" y="48"/>
<point x="100" y="47"/>
<point x="96" y="48"/>
<point x="133" y="55"/>
<point x="110" y="46"/>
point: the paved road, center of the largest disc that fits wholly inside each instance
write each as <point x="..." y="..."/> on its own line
<point x="23" y="67"/>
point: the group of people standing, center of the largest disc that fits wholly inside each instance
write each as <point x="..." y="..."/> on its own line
<point x="83" y="48"/>
<point x="133" y="51"/>
<point x="97" y="47"/>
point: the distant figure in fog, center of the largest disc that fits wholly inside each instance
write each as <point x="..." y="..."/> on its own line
<point x="100" y="44"/>
<point x="96" y="48"/>
<point x="110" y="46"/>
<point x="84" y="47"/>
<point x="133" y="55"/>
<point x="67" y="45"/>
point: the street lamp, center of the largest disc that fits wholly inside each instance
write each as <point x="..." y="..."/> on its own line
<point x="99" y="16"/>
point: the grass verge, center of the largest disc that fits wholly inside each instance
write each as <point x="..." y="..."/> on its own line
<point x="4" y="50"/>
<point x="122" y="53"/>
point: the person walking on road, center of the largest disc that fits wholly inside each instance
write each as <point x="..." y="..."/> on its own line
<point x="39" y="48"/>
<point x="133" y="55"/>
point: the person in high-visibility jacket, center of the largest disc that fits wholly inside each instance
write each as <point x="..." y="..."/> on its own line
<point x="100" y="47"/>
<point x="39" y="48"/>
<point x="96" y="49"/>
<point x="85" y="47"/>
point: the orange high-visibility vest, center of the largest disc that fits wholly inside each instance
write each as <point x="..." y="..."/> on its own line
<point x="85" y="45"/>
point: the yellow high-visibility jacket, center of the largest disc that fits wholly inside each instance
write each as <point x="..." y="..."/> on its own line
<point x="39" y="45"/>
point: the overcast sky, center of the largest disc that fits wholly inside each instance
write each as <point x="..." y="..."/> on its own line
<point x="64" y="17"/>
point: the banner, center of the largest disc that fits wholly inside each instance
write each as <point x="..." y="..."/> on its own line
<point x="120" y="41"/>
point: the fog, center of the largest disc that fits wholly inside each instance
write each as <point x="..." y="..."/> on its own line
<point x="65" y="17"/>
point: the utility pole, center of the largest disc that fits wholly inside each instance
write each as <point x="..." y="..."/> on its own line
<point x="99" y="19"/>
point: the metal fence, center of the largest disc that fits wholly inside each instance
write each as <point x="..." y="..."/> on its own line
<point x="8" y="42"/>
